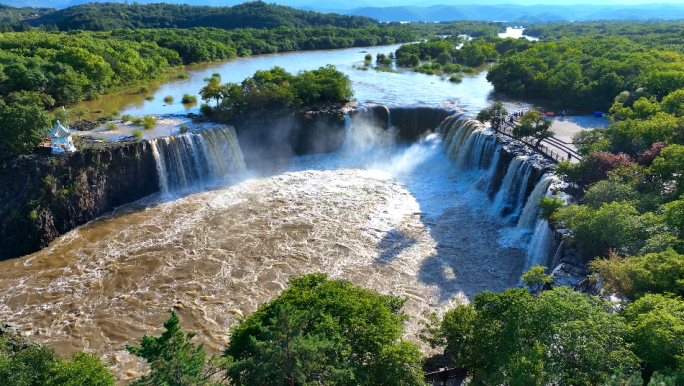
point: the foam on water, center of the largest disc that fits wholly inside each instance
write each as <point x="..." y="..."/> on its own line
<point x="398" y="219"/>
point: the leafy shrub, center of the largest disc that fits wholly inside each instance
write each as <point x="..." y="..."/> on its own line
<point x="182" y="75"/>
<point x="148" y="122"/>
<point x="116" y="113"/>
<point x="149" y="97"/>
<point x="137" y="134"/>
<point x="142" y="90"/>
<point x="111" y="126"/>
<point x="368" y="57"/>
<point x="187" y="99"/>
<point x="37" y="365"/>
<point x="127" y="118"/>
<point x="168" y="99"/>
<point x="137" y="121"/>
<point x="205" y="109"/>
<point x="548" y="206"/>
<point x="387" y="62"/>
<point x="455" y="79"/>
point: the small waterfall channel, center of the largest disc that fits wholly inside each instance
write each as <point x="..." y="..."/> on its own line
<point x="192" y="159"/>
<point x="513" y="176"/>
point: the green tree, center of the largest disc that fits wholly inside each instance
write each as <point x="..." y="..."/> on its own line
<point x="668" y="167"/>
<point x="535" y="278"/>
<point x="328" y="331"/>
<point x="23" y="122"/>
<point x="78" y="113"/>
<point x="174" y="360"/>
<point x="516" y="338"/>
<point x="636" y="276"/>
<point x="674" y="103"/>
<point x="493" y="114"/>
<point x="532" y="125"/>
<point x="613" y="226"/>
<point x="657" y="331"/>
<point x="31" y="364"/>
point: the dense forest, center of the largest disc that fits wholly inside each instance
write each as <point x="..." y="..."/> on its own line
<point x="588" y="73"/>
<point x="257" y="14"/>
<point x="17" y="15"/>
<point x="554" y="31"/>
<point x="40" y="70"/>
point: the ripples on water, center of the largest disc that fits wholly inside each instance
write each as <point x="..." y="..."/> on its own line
<point x="404" y="88"/>
<point x="400" y="219"/>
<point x="391" y="218"/>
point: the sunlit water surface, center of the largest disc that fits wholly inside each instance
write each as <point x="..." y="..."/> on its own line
<point x="394" y="219"/>
<point x="402" y="88"/>
<point x="397" y="219"/>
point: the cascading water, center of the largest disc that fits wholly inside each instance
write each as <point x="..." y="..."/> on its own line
<point x="510" y="197"/>
<point x="529" y="215"/>
<point x="191" y="158"/>
<point x="473" y="147"/>
<point x="540" y="245"/>
<point x="542" y="237"/>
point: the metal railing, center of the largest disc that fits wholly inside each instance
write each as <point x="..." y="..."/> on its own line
<point x="445" y="375"/>
<point x="507" y="129"/>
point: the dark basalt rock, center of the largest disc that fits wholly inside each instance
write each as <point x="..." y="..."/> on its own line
<point x="290" y="133"/>
<point x="15" y="340"/>
<point x="42" y="197"/>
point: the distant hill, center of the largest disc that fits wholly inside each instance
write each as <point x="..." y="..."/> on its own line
<point x="518" y="12"/>
<point x="17" y="15"/>
<point x="257" y="14"/>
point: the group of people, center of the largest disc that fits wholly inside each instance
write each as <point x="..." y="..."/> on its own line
<point x="547" y="113"/>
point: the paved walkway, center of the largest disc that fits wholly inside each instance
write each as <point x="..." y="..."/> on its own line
<point x="566" y="127"/>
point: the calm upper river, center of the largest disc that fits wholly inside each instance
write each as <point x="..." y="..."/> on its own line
<point x="403" y="88"/>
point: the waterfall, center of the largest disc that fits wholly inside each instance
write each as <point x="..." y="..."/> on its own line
<point x="529" y="215"/>
<point x="540" y="245"/>
<point x="188" y="159"/>
<point x="512" y="192"/>
<point x="472" y="147"/>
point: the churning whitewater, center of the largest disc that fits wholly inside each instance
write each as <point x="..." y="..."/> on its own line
<point x="414" y="219"/>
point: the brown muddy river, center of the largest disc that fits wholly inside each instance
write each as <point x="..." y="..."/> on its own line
<point x="399" y="219"/>
<point x="394" y="219"/>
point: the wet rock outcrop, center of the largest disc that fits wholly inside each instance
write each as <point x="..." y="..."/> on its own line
<point x="43" y="197"/>
<point x="290" y="133"/>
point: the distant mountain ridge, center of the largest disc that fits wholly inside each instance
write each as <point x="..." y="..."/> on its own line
<point x="146" y="14"/>
<point x="518" y="12"/>
<point x="256" y="14"/>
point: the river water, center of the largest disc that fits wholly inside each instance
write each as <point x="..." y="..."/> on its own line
<point x="402" y="88"/>
<point x="399" y="219"/>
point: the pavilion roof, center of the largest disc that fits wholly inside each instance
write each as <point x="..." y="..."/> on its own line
<point x="58" y="132"/>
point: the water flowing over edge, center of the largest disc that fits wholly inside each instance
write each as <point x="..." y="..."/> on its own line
<point x="473" y="147"/>
<point x="191" y="159"/>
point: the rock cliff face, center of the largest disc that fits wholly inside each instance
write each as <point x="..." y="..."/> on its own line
<point x="290" y="134"/>
<point x="44" y="197"/>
